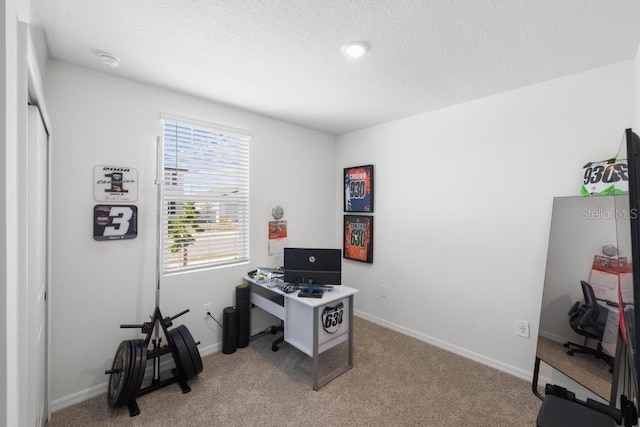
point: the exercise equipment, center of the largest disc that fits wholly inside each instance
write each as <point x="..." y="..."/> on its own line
<point x="187" y="351"/>
<point x="229" y="330"/>
<point x="127" y="372"/>
<point x="121" y="372"/>
<point x="129" y="364"/>
<point x="243" y="305"/>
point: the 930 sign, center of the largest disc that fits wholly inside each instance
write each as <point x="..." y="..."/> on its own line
<point x="602" y="178"/>
<point x="358" y="189"/>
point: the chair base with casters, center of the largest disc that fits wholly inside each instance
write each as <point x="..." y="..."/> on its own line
<point x="584" y="349"/>
<point x="280" y="339"/>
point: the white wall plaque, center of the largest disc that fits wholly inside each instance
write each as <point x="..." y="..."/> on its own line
<point x="115" y="184"/>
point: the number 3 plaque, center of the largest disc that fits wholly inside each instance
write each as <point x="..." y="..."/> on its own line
<point x="115" y="222"/>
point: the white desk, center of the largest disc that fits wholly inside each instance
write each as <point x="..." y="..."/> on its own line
<point x="312" y="325"/>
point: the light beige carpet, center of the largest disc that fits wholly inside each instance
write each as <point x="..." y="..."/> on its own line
<point x="396" y="381"/>
<point x="584" y="368"/>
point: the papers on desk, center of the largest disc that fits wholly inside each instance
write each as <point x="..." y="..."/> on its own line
<point x="606" y="273"/>
<point x="626" y="285"/>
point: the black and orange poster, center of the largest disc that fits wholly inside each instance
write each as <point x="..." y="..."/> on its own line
<point x="358" y="238"/>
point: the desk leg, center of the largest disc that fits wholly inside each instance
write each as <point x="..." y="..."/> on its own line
<point x="316" y="361"/>
<point x="350" y="364"/>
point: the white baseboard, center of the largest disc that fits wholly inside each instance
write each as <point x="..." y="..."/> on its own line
<point x="99" y="389"/>
<point x="78" y="397"/>
<point x="501" y="366"/>
<point x="554" y="337"/>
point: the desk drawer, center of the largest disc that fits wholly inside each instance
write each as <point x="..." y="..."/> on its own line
<point x="270" y="302"/>
<point x="268" y="294"/>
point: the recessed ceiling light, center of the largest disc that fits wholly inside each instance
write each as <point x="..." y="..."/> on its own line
<point x="354" y="49"/>
<point x="109" y="60"/>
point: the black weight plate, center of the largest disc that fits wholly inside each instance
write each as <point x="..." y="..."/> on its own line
<point x="193" y="349"/>
<point x="126" y="397"/>
<point x="117" y="376"/>
<point x="181" y="354"/>
<point x="135" y="369"/>
<point x="189" y="369"/>
<point x="118" y="381"/>
<point x="127" y="384"/>
<point x="128" y="387"/>
<point x="142" y="365"/>
<point x="139" y="365"/>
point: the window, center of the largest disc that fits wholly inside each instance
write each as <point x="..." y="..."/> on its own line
<point x="205" y="196"/>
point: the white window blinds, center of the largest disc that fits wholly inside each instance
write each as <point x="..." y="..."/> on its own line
<point x="205" y="196"/>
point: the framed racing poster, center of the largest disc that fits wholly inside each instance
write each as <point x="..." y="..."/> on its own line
<point x="358" y="238"/>
<point x="115" y="222"/>
<point x="358" y="189"/>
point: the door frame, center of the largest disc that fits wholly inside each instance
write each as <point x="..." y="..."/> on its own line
<point x="32" y="78"/>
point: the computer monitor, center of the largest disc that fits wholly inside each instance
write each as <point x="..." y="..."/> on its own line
<point x="312" y="266"/>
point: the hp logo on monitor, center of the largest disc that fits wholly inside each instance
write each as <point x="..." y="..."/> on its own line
<point x="312" y="259"/>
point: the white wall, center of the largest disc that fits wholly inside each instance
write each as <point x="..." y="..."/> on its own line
<point x="463" y="200"/>
<point x="463" y="209"/>
<point x="103" y="120"/>
<point x="8" y="215"/>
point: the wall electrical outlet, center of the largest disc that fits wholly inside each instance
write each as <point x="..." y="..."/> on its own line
<point x="522" y="328"/>
<point x="207" y="309"/>
<point x="383" y="290"/>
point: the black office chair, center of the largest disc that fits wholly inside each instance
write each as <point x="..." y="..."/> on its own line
<point x="589" y="320"/>
<point x="280" y="339"/>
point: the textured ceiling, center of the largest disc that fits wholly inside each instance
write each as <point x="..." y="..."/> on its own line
<point x="281" y="58"/>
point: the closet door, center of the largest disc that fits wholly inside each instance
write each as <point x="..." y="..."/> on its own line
<point x="37" y="184"/>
